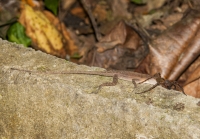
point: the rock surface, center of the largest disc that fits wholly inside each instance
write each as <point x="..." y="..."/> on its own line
<point x="39" y="105"/>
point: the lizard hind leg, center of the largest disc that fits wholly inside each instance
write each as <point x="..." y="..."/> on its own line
<point x="113" y="83"/>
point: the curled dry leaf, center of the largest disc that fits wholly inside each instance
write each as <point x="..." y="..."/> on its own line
<point x="175" y="50"/>
<point x="44" y="35"/>
<point x="193" y="88"/>
<point x="186" y="58"/>
<point x="122" y="48"/>
<point x="193" y="72"/>
<point x="166" y="50"/>
<point x="192" y="83"/>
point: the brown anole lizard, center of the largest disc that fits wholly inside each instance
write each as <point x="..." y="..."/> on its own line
<point x="134" y="77"/>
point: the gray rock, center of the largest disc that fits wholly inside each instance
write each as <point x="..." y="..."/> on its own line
<point x="42" y="105"/>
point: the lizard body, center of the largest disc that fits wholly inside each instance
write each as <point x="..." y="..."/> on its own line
<point x="119" y="74"/>
<point x="124" y="75"/>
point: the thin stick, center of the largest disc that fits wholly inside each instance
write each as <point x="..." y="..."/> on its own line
<point x="87" y="8"/>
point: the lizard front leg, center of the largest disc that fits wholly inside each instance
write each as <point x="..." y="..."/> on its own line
<point x="149" y="89"/>
<point x="134" y="82"/>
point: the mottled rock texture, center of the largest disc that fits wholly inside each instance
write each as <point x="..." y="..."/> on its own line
<point x="61" y="106"/>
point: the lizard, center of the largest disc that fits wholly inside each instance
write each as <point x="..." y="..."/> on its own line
<point x="134" y="77"/>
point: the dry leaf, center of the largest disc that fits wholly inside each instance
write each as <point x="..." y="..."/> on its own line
<point x="67" y="40"/>
<point x="193" y="88"/>
<point x="193" y="72"/>
<point x="43" y="34"/>
<point x="172" y="52"/>
<point x="167" y="49"/>
<point x="122" y="48"/>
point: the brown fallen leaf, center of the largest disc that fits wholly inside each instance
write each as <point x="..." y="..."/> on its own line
<point x="122" y="48"/>
<point x="166" y="49"/>
<point x="193" y="88"/>
<point x="172" y="52"/>
<point x="192" y="79"/>
<point x="193" y="72"/>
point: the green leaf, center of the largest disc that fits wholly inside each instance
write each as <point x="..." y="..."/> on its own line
<point x="52" y="5"/>
<point x="139" y="1"/>
<point x="76" y="56"/>
<point x="16" y="33"/>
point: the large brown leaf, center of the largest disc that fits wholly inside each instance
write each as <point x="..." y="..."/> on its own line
<point x="172" y="52"/>
<point x="192" y="79"/>
<point x="167" y="49"/>
<point x="122" y="48"/>
<point x="193" y="88"/>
